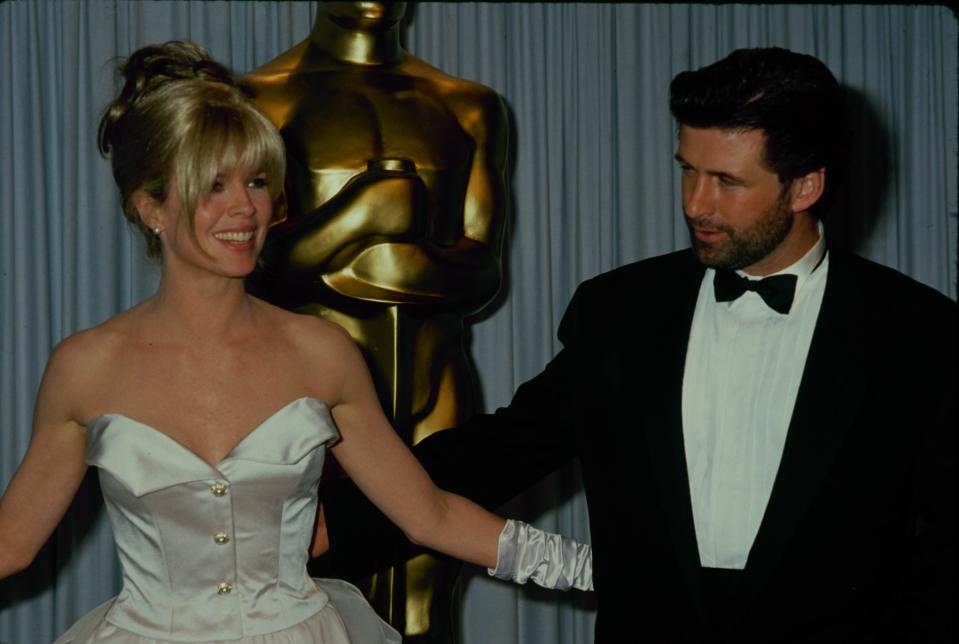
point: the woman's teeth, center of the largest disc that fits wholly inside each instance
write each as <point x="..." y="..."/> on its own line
<point x="235" y="236"/>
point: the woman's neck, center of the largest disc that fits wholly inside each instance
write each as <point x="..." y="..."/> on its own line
<point x="202" y="310"/>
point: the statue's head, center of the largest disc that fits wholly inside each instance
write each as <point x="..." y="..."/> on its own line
<point x="365" y="15"/>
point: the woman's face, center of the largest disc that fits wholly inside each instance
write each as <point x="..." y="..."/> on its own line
<point x="229" y="225"/>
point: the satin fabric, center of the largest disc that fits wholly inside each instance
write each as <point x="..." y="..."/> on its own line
<point x="550" y="560"/>
<point x="219" y="553"/>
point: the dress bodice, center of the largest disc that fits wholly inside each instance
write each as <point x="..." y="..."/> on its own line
<point x="213" y="552"/>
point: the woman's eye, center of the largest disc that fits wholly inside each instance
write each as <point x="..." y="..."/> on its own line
<point x="217" y="186"/>
<point x="257" y="182"/>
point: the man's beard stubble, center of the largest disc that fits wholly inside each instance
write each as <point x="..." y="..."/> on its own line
<point x="743" y="247"/>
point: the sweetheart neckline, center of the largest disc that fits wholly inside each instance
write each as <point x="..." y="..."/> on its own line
<point x="217" y="464"/>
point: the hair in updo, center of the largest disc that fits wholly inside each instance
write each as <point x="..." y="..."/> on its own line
<point x="181" y="117"/>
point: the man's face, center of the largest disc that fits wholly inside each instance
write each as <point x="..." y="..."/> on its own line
<point x="738" y="212"/>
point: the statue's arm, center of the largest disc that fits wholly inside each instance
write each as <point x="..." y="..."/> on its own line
<point x="486" y="204"/>
<point x="328" y="238"/>
<point x="467" y="272"/>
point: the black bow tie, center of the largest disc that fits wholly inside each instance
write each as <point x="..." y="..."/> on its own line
<point x="777" y="291"/>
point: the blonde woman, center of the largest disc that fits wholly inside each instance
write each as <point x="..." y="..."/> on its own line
<point x="208" y="411"/>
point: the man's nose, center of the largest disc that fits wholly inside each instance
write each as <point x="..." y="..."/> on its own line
<point x="697" y="197"/>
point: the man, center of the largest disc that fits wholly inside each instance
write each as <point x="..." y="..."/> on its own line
<point x="766" y="426"/>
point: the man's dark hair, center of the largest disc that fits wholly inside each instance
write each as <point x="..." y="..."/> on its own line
<point x="792" y="98"/>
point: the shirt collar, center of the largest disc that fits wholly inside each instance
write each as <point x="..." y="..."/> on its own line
<point x="806" y="265"/>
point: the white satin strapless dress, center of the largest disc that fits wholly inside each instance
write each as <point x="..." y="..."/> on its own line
<point x="218" y="554"/>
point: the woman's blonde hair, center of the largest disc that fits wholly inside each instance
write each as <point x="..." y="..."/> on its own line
<point x="181" y="117"/>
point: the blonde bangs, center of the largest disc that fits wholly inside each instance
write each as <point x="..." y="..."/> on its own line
<point x="226" y="135"/>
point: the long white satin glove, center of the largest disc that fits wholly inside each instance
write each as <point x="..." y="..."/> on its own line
<point x="550" y="560"/>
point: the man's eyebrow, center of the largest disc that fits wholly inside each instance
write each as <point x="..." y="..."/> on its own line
<point x="725" y="176"/>
<point x="713" y="173"/>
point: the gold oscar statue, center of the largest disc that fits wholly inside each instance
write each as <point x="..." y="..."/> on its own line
<point x="396" y="199"/>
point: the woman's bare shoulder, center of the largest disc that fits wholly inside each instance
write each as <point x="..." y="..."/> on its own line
<point x="325" y="351"/>
<point x="306" y="332"/>
<point x="90" y="347"/>
<point x="80" y="363"/>
<point x="65" y="385"/>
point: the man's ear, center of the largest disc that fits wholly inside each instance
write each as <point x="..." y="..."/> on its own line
<point x="148" y="209"/>
<point x="807" y="189"/>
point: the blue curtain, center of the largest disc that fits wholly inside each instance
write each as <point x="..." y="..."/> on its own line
<point x="593" y="187"/>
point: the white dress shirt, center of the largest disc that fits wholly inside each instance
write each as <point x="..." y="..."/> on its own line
<point x="744" y="362"/>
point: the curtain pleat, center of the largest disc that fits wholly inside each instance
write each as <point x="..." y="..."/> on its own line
<point x="593" y="186"/>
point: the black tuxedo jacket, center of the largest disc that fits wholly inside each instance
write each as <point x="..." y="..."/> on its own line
<point x="857" y="541"/>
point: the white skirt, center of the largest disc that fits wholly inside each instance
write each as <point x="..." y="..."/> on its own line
<point x="346" y="619"/>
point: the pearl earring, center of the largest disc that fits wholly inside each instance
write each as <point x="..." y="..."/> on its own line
<point x="156" y="231"/>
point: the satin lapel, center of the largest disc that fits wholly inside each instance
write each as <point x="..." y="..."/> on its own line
<point x="662" y="382"/>
<point x="828" y="399"/>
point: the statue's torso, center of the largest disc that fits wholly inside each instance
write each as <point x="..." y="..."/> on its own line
<point x="334" y="122"/>
<point x="336" y="118"/>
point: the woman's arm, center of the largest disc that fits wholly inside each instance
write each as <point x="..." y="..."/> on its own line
<point x="50" y="473"/>
<point x="385" y="470"/>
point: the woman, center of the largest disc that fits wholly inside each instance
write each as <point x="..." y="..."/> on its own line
<point x="209" y="469"/>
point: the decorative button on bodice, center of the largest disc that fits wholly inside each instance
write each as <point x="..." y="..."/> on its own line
<point x="221" y="538"/>
<point x="167" y="506"/>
